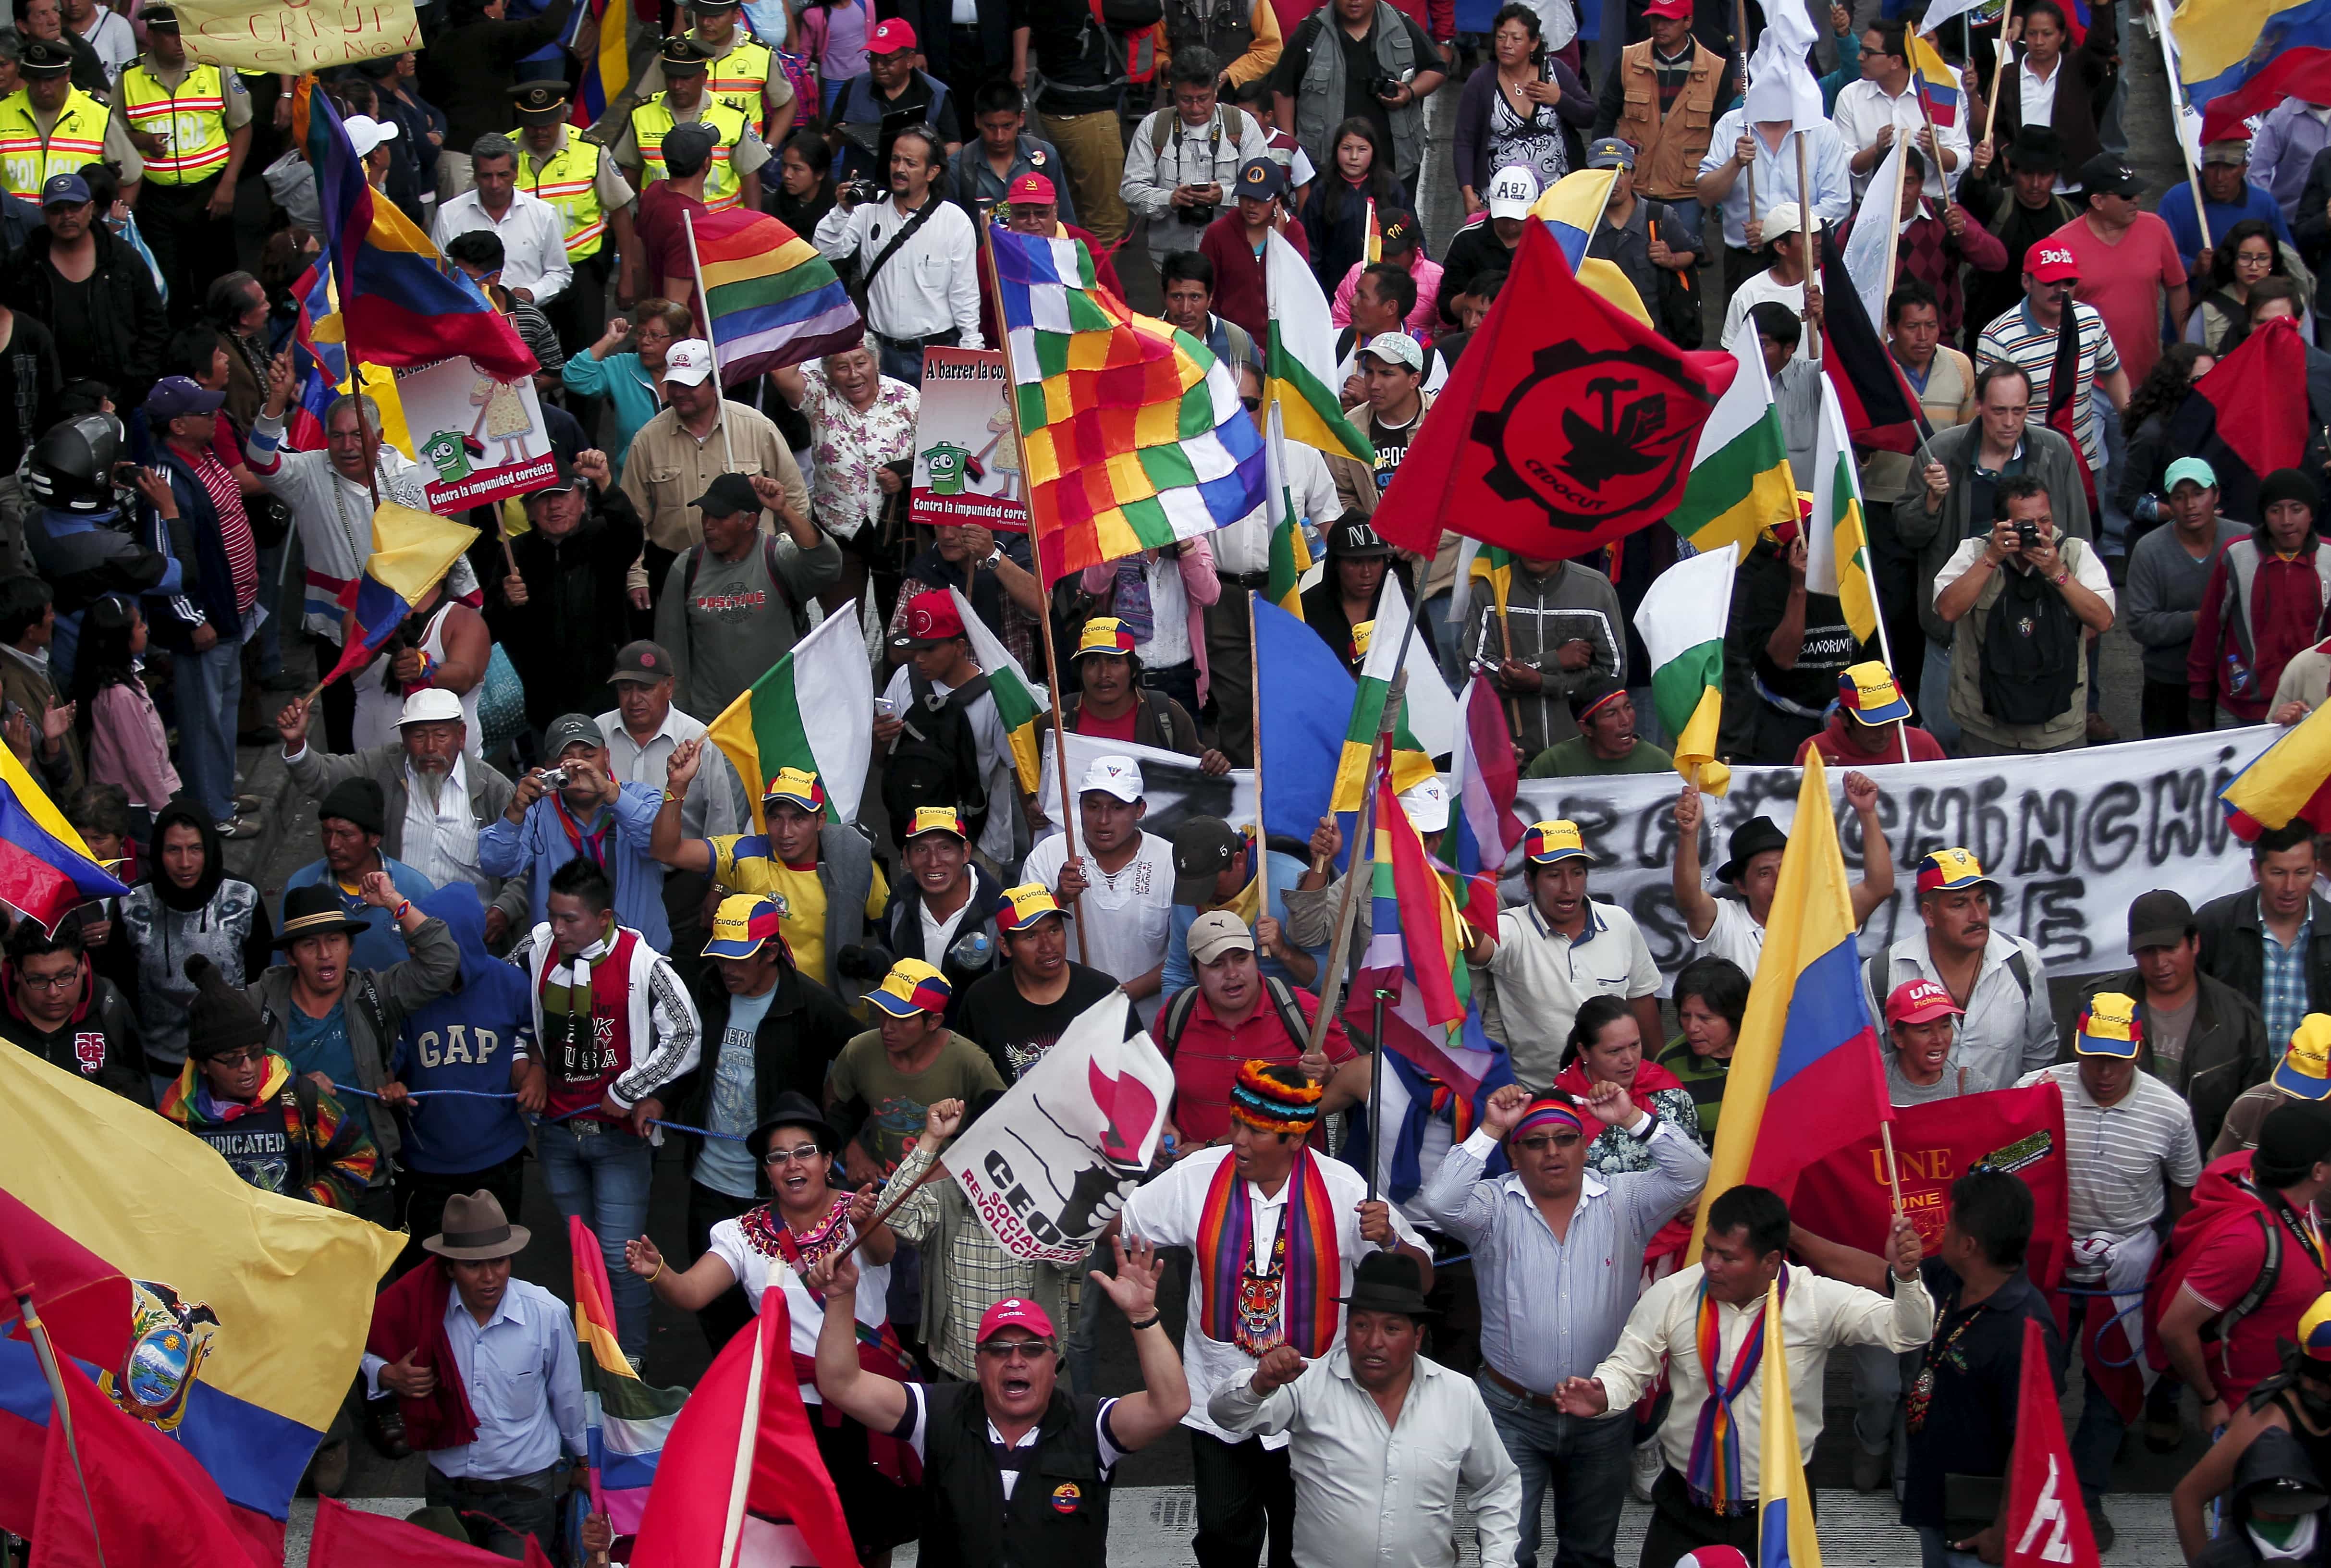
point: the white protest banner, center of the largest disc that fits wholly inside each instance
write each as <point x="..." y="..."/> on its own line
<point x="302" y="36"/>
<point x="1049" y="1164"/>
<point x="2073" y="837"/>
<point x="967" y="463"/>
<point x="482" y="439"/>
<point x="1175" y="786"/>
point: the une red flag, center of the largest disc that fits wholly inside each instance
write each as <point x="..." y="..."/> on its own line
<point x="791" y="1514"/>
<point x="2047" y="1522"/>
<point x="154" y="1504"/>
<point x="1569" y="425"/>
<point x="350" y="1537"/>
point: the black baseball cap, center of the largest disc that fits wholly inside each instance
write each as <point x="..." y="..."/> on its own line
<point x="2105" y="175"/>
<point x="726" y="496"/>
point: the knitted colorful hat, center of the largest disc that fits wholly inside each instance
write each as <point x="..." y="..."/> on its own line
<point x="912" y="986"/>
<point x="1275" y="1098"/>
<point x="1549" y="1113"/>
<point x="1868" y="692"/>
<point x="2109" y="1027"/>
<point x="796" y="786"/>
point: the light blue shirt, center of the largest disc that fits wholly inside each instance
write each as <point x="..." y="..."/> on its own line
<point x="1826" y="160"/>
<point x="524" y="1383"/>
<point x="1284" y="870"/>
<point x="538" y="846"/>
<point x="733" y="1105"/>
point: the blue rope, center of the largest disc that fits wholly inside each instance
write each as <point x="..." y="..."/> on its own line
<point x="475" y="1094"/>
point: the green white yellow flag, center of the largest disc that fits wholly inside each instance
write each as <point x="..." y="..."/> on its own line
<point x="1681" y="621"/>
<point x="1837" y="539"/>
<point x="1300" y="360"/>
<point x="1740" y="482"/>
<point x="814" y="709"/>
<point x="1019" y="701"/>
<point x="1411" y="762"/>
<point x="1290" y="552"/>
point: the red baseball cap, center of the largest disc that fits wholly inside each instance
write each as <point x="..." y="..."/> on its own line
<point x="890" y="37"/>
<point x="1031" y="187"/>
<point x="1673" y="10"/>
<point x="932" y="618"/>
<point x="1013" y="1312"/>
<point x="2053" y="261"/>
<point x="1920" y="1002"/>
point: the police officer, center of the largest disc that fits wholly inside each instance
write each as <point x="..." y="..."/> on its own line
<point x="49" y="127"/>
<point x="741" y="71"/>
<point x="734" y="174"/>
<point x="579" y="180"/>
<point x="193" y="125"/>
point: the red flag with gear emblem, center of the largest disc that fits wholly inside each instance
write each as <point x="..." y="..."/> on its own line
<point x="1568" y="425"/>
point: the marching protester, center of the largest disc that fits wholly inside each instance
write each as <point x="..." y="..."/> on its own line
<point x="1998" y="981"/>
<point x="60" y="1009"/>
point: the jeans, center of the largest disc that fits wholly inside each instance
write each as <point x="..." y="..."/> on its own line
<point x="501" y="1514"/>
<point x="2096" y="1439"/>
<point x="1934" y="1551"/>
<point x="1079" y="1344"/>
<point x="601" y="1175"/>
<point x="1935" y="697"/>
<point x="1584" y="1462"/>
<point x="1445" y="639"/>
<point x="1246" y="1494"/>
<point x="209" y="698"/>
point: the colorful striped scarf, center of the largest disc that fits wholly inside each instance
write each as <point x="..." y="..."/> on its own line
<point x="1295" y="1302"/>
<point x="1715" y="1478"/>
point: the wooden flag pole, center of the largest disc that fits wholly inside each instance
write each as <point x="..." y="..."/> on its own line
<point x="1740" y="42"/>
<point x="1806" y="228"/>
<point x="712" y="342"/>
<point x="1035" y="533"/>
<point x="1998" y="67"/>
<point x="1893" y="1177"/>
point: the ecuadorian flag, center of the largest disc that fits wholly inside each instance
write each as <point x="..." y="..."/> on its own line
<point x="1572" y="210"/>
<point x="1784" y="1507"/>
<point x="2290" y="779"/>
<point x="1932" y="75"/>
<point x="1805" y="1078"/>
<point x="45" y="868"/>
<point x="412" y="551"/>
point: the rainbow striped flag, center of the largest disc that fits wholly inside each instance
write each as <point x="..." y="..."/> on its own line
<point x="770" y="300"/>
<point x="1133" y="431"/>
<point x="400" y="306"/>
<point x="624" y="1420"/>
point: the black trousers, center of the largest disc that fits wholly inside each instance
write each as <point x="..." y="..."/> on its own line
<point x="189" y="246"/>
<point x="1679" y="1525"/>
<point x="2162" y="708"/>
<point x="1246" y="1494"/>
<point x="731" y="1310"/>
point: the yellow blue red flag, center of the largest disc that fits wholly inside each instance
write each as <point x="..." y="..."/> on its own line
<point x="45" y="868"/>
<point x="2285" y="781"/>
<point x="1785" y="1506"/>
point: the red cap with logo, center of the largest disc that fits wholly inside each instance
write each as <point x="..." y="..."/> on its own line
<point x="1013" y="1312"/>
<point x="932" y="618"/>
<point x="2053" y="261"/>
<point x="1920" y="1002"/>
<point x="890" y="37"/>
<point x="1031" y="187"/>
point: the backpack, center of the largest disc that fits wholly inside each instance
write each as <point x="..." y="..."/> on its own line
<point x="768" y="559"/>
<point x="2224" y="1198"/>
<point x="934" y="761"/>
<point x="1232" y="125"/>
<point x="2032" y="657"/>
<point x="1175" y="1016"/>
<point x="1128" y="55"/>
<point x="1879" y="972"/>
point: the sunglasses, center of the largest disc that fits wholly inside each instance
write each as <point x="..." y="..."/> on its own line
<point x="1544" y="1141"/>
<point x="1015" y="1349"/>
<point x="235" y="1059"/>
<point x="807" y="1154"/>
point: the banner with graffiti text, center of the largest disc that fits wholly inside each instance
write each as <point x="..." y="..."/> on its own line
<point x="303" y="35"/>
<point x="1048" y="1165"/>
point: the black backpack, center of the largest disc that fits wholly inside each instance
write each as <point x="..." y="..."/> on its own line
<point x="2030" y="652"/>
<point x="1175" y="1017"/>
<point x="934" y="761"/>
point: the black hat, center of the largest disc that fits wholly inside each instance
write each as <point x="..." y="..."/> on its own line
<point x="792" y="1110"/>
<point x="1591" y="693"/>
<point x="2105" y="175"/>
<point x="44" y="59"/>
<point x="726" y="496"/>
<point x="163" y="17"/>
<point x="1749" y="840"/>
<point x="357" y="800"/>
<point x="641" y="663"/>
<point x="682" y="56"/>
<point x="540" y="102"/>
<point x="692" y="142"/>
<point x="563" y="478"/>
<point x="1204" y="847"/>
<point x="2288" y="484"/>
<point x="314" y="910"/>
<point x="220" y="1017"/>
<point x="1353" y="537"/>
<point x="1387" y="1282"/>
<point x="2293" y="1139"/>
<point x="2161" y="919"/>
<point x="2035" y="150"/>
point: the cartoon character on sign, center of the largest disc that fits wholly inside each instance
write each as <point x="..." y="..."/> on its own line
<point x="948" y="465"/>
<point x="502" y="416"/>
<point x="446" y="453"/>
<point x="169" y="1340"/>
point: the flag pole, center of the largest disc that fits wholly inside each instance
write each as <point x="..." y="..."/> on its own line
<point x="1254" y="705"/>
<point x="45" y="1350"/>
<point x="712" y="341"/>
<point x="749" y="1435"/>
<point x="1806" y="228"/>
<point x="1035" y="543"/>
<point x="1740" y="59"/>
<point x="1893" y="1177"/>
<point x="1998" y="65"/>
<point x="2177" y="105"/>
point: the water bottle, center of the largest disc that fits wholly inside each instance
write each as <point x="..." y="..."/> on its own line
<point x="972" y="950"/>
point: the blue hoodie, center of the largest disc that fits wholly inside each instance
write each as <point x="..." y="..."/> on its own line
<point x="464" y="1040"/>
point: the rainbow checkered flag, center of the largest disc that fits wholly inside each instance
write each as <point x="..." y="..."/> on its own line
<point x="1133" y="433"/>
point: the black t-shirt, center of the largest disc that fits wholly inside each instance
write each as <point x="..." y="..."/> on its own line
<point x="1016" y="1032"/>
<point x="1970" y="1422"/>
<point x="1760" y="601"/>
<point x="915" y="98"/>
<point x="29" y="378"/>
<point x="1081" y="60"/>
<point x="1391" y="443"/>
<point x="1360" y="67"/>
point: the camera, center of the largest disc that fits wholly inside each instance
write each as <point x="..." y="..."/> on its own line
<point x="1198" y="214"/>
<point x="1384" y="84"/>
<point x="554" y="778"/>
<point x="861" y="190"/>
<point x="2027" y="536"/>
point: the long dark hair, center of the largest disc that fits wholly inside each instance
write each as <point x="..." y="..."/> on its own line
<point x="103" y="657"/>
<point x="2163" y="387"/>
<point x="1594" y="1015"/>
<point x="2222" y="262"/>
<point x="1334" y="190"/>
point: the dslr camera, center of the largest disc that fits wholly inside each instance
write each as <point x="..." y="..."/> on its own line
<point x="861" y="190"/>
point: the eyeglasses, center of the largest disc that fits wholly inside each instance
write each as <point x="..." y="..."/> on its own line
<point x="235" y="1059"/>
<point x="66" y="982"/>
<point x="1544" y="1141"/>
<point x="1015" y="1349"/>
<point x="807" y="1154"/>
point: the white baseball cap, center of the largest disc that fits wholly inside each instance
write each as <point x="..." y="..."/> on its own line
<point x="366" y="133"/>
<point x="1427" y="804"/>
<point x="1113" y="775"/>
<point x="1783" y="218"/>
<point x="431" y="705"/>
<point x="688" y="362"/>
<point x="1512" y="192"/>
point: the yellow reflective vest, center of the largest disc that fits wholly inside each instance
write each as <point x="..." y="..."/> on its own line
<point x="568" y="180"/>
<point x="29" y="159"/>
<point x="191" y="120"/>
<point x="652" y="119"/>
<point x="740" y="77"/>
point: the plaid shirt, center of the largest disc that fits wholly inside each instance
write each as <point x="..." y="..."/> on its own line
<point x="965" y="1270"/>
<point x="2282" y="990"/>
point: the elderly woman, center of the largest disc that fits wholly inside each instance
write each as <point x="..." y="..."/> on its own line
<point x="626" y="366"/>
<point x="772" y="1246"/>
<point x="862" y="445"/>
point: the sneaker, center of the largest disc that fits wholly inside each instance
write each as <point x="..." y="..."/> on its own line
<point x="1643" y="1469"/>
<point x="238" y="827"/>
<point x="1871" y="1471"/>
<point x="246" y="804"/>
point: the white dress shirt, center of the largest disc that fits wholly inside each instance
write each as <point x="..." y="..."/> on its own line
<point x="932" y="284"/>
<point x="1817" y="1316"/>
<point x="1168" y="1213"/>
<point x="524" y="1381"/>
<point x="440" y="840"/>
<point x="533" y="237"/>
<point x="716" y="804"/>
<point x="1863" y="109"/>
<point x="1369" y="1493"/>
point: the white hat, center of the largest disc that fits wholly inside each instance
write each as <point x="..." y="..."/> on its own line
<point x="366" y="133"/>
<point x="1781" y="218"/>
<point x="1113" y="775"/>
<point x="688" y="362"/>
<point x="431" y="705"/>
<point x="1427" y="804"/>
<point x="1512" y="192"/>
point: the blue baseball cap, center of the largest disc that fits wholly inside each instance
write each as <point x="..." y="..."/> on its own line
<point x="64" y="191"/>
<point x="179" y="395"/>
<point x="1261" y="178"/>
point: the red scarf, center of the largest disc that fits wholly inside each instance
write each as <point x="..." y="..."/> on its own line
<point x="409" y="1316"/>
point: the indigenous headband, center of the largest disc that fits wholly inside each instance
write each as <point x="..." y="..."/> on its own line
<point x="1545" y="1112"/>
<point x="1262" y="1100"/>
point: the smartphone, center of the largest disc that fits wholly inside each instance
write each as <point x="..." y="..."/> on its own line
<point x="886" y="708"/>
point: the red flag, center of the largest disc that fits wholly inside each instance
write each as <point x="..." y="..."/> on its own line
<point x="1879" y="408"/>
<point x="2064" y="398"/>
<point x="348" y="1537"/>
<point x="2047" y="1522"/>
<point x="791" y="1515"/>
<point x="82" y="1300"/>
<point x="2258" y="390"/>
<point x="1570" y="425"/>
<point x="153" y="1504"/>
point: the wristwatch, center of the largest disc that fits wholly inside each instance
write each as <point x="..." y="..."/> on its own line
<point x="994" y="556"/>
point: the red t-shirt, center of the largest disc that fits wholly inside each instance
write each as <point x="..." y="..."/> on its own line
<point x="1830" y="743"/>
<point x="1206" y="1060"/>
<point x="2127" y="283"/>
<point x="1099" y="728"/>
<point x="2224" y="1271"/>
<point x="664" y="240"/>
